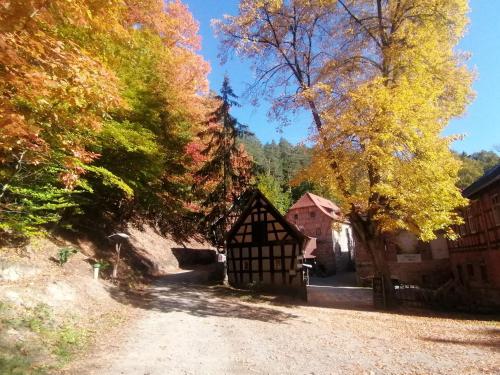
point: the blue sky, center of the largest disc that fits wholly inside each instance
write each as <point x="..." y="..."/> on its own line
<point x="480" y="125"/>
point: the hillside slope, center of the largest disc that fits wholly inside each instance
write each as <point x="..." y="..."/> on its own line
<point x="51" y="313"/>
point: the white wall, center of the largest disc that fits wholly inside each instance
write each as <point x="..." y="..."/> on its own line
<point x="343" y="236"/>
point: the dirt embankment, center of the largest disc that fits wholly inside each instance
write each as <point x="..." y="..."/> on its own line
<point x="50" y="313"/>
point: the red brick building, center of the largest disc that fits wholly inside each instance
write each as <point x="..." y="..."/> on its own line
<point x="475" y="256"/>
<point x="320" y="218"/>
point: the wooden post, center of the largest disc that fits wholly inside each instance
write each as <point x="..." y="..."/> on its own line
<point x="117" y="260"/>
<point x="379" y="292"/>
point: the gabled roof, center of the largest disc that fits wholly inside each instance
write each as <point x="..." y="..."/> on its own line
<point x="326" y="206"/>
<point x="491" y="175"/>
<point x="290" y="228"/>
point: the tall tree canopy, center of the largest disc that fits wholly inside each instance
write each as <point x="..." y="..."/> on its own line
<point x="227" y="170"/>
<point x="99" y="103"/>
<point x="382" y="78"/>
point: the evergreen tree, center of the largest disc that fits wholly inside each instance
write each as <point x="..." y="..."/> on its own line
<point x="228" y="170"/>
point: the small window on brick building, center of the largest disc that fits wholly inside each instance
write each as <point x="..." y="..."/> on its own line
<point x="484" y="273"/>
<point x="318" y="231"/>
<point x="472" y="220"/>
<point x="470" y="270"/>
<point x="495" y="200"/>
<point x="312" y="214"/>
<point x="296" y="216"/>
<point x="462" y="229"/>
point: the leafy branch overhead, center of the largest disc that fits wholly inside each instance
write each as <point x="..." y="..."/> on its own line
<point x="100" y="103"/>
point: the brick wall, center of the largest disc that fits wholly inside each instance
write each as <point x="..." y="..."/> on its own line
<point x="475" y="256"/>
<point x="314" y="223"/>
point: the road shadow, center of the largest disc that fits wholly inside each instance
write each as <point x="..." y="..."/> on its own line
<point x="188" y="257"/>
<point x="492" y="341"/>
<point x="191" y="293"/>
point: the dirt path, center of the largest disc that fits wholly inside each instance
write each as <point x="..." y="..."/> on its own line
<point x="185" y="328"/>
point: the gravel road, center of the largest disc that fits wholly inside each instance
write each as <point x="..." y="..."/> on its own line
<point x="188" y="328"/>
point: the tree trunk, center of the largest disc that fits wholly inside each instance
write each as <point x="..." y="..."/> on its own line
<point x="375" y="246"/>
<point x="316" y="117"/>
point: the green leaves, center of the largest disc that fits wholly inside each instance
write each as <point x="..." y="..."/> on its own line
<point x="30" y="207"/>
<point x="271" y="188"/>
<point x="101" y="111"/>
<point x="110" y="180"/>
<point x="64" y="254"/>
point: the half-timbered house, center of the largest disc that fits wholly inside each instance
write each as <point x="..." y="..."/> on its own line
<point x="475" y="256"/>
<point x="263" y="248"/>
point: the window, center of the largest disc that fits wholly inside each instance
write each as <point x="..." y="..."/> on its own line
<point x="496" y="208"/>
<point x="470" y="270"/>
<point x="472" y="220"/>
<point x="245" y="265"/>
<point x="296" y="216"/>
<point x="277" y="264"/>
<point x="484" y="273"/>
<point x="318" y="231"/>
<point x="312" y="214"/>
<point x="259" y="232"/>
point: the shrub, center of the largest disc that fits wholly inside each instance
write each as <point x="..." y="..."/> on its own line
<point x="64" y="254"/>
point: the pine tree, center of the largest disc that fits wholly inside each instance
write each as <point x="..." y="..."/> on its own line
<point x="228" y="170"/>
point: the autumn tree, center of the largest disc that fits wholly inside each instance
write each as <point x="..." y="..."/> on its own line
<point x="99" y="101"/>
<point x="381" y="78"/>
<point x="227" y="172"/>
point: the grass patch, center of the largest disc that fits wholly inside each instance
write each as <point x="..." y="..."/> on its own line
<point x="33" y="341"/>
<point x="67" y="341"/>
<point x="16" y="364"/>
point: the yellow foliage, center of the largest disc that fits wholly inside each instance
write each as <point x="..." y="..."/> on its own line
<point x="382" y="79"/>
<point x="390" y="160"/>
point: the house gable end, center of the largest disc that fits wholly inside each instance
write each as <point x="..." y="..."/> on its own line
<point x="261" y="223"/>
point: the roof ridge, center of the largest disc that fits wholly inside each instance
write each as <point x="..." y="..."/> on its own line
<point x="317" y="200"/>
<point x="490" y="175"/>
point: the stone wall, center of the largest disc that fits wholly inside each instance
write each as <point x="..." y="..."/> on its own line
<point x="410" y="261"/>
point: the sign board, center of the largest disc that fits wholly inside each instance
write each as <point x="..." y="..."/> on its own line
<point x="221" y="258"/>
<point x="409" y="258"/>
